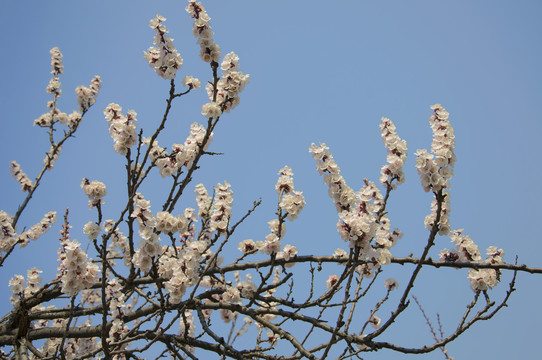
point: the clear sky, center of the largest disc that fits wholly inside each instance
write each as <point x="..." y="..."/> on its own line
<point x="321" y="71"/>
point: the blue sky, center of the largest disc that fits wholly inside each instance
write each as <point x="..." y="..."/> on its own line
<point x="320" y="72"/>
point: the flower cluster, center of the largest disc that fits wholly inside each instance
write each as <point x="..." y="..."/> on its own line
<point x="343" y="196"/>
<point x="340" y="253"/>
<point x="360" y="213"/>
<point x="150" y="226"/>
<point x="271" y="244"/>
<point x="52" y="155"/>
<point x="20" y="176"/>
<point x="149" y="246"/>
<point x="359" y="225"/>
<point x="291" y="201"/>
<point x="55" y="115"/>
<point x="223" y="95"/>
<point x="247" y="246"/>
<point x="397" y="152"/>
<point x="287" y="253"/>
<point x="482" y="279"/>
<point x="169" y="224"/>
<point x="181" y="154"/>
<point x="191" y="82"/>
<point x="203" y="200"/>
<point x="222" y="203"/>
<point x="142" y="212"/>
<point x="230" y="85"/>
<point x="57" y="68"/>
<point x="466" y="248"/>
<point x="231" y="295"/>
<point x="86" y="97"/>
<point x="49" y="118"/>
<point x="33" y="281"/>
<point x="50" y="347"/>
<point x="228" y="88"/>
<point x="116" y="299"/>
<point x="121" y="128"/>
<point x="186" y="153"/>
<point x="8" y="237"/>
<point x="209" y="50"/>
<point x="435" y="169"/>
<point x="6" y="232"/>
<point x="92" y="230"/>
<point x="211" y="110"/>
<point x="95" y="191"/>
<point x="53" y="87"/>
<point x="443" y="137"/>
<point x="77" y="273"/>
<point x="444" y="223"/>
<point x="164" y="58"/>
<point x="17" y="288"/>
<point x="467" y="251"/>
<point x="385" y="239"/>
<point x="181" y="269"/>
<point x="285" y="182"/>
<point x="118" y="240"/>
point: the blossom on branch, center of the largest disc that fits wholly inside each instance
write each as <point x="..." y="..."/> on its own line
<point x="436" y="169"/>
<point x="77" y="273"/>
<point x="209" y="50"/>
<point x="164" y="58"/>
<point x="397" y="149"/>
<point x="20" y="176"/>
<point x="86" y="97"/>
<point x="95" y="191"/>
<point x="121" y="128"/>
<point x="191" y="82"/>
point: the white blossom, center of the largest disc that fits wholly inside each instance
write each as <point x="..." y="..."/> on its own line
<point x="222" y="204"/>
<point x="203" y="200"/>
<point x="86" y="97"/>
<point x="20" y="176"/>
<point x="17" y="288"/>
<point x="56" y="61"/>
<point x="211" y="110"/>
<point x="332" y="280"/>
<point x="95" y="191"/>
<point x="77" y="273"/>
<point x="292" y="203"/>
<point x="287" y="253"/>
<point x="164" y="58"/>
<point x="121" y="128"/>
<point x="191" y="82"/>
<point x="435" y="169"/>
<point x="36" y="230"/>
<point x="396" y="155"/>
<point x="209" y="50"/>
<point x="391" y="284"/>
<point x="92" y="230"/>
<point x="375" y="321"/>
<point x="247" y="246"/>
